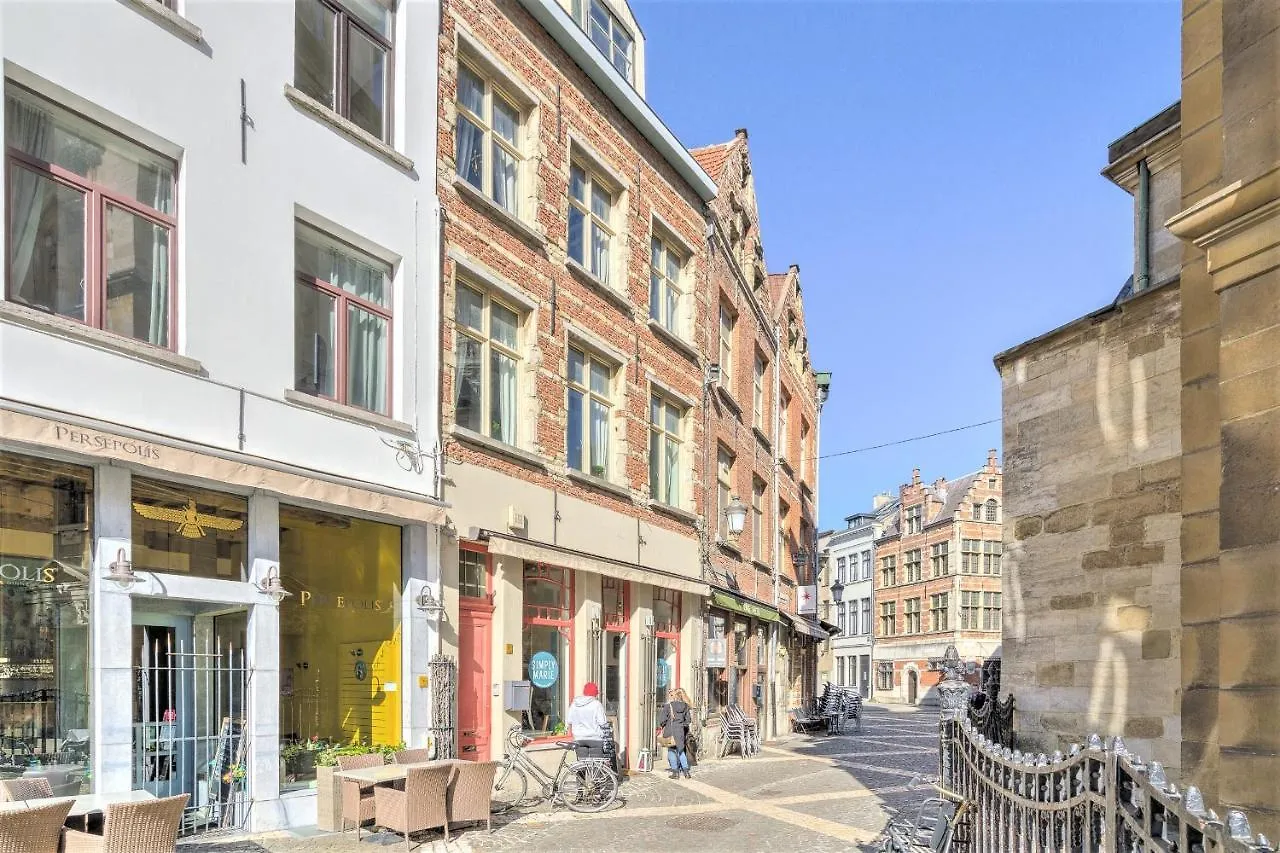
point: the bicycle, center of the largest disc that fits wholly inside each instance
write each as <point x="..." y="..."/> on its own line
<point x="586" y="785"/>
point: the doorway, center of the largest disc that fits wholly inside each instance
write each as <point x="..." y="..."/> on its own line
<point x="189" y="709"/>
<point x="614" y="692"/>
<point x="913" y="686"/>
<point x="864" y="675"/>
<point x="475" y="652"/>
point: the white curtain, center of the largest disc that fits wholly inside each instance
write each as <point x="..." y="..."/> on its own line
<point x="366" y="361"/>
<point x="29" y="130"/>
<point x="504" y="178"/>
<point x="600" y="253"/>
<point x="503" y="402"/>
<point x="469" y="154"/>
<point x="599" y="439"/>
<point x="673" y="472"/>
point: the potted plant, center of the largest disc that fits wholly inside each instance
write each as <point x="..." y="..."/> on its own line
<point x="328" y="791"/>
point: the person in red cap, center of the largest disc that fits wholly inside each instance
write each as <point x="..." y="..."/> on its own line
<point x="586" y="716"/>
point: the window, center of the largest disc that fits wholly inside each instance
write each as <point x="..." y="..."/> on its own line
<point x="590" y="381"/>
<point x="938" y="611"/>
<point x="91" y="224"/>
<point x="46" y="571"/>
<point x="866" y="565"/>
<point x="887" y="618"/>
<point x="665" y="296"/>
<point x="488" y="139"/>
<point x="342" y="58"/>
<point x="758" y="547"/>
<point x="977" y="512"/>
<point x="938" y="559"/>
<point x="888" y="570"/>
<point x="784" y="429"/>
<point x="991" y="483"/>
<point x="970" y="555"/>
<point x="913" y="519"/>
<point x="664" y="450"/>
<point x="342" y="322"/>
<point x="607" y="33"/>
<point x="991" y="555"/>
<point x="724" y="490"/>
<point x="991" y="611"/>
<point x="804" y="448"/>
<point x="216" y="549"/>
<point x="726" y="347"/>
<point x="993" y="510"/>
<point x="840" y="619"/>
<point x="762" y="646"/>
<point x="970" y="604"/>
<point x="911" y="614"/>
<point x="487" y="355"/>
<point x="666" y="611"/>
<point x="472" y="574"/>
<point x="840" y="564"/>
<point x="717" y="680"/>
<point x="590" y="211"/>
<point x="548" y="626"/>
<point x="757" y="393"/>
<point x="866" y="616"/>
<point x="840" y="671"/>
<point x="913" y="565"/>
<point x="884" y="675"/>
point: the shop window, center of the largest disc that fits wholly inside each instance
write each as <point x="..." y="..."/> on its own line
<point x="666" y="631"/>
<point x="666" y="611"/>
<point x="884" y="675"/>
<point x="340" y="635"/>
<point x="616" y="611"/>
<point x="45" y="546"/>
<point x="187" y="531"/>
<point x="548" y="626"/>
<point x="717" y="680"/>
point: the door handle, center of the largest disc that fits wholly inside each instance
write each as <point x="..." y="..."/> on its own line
<point x="471" y="748"/>
<point x="471" y="733"/>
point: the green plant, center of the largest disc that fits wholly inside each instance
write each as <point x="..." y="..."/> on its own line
<point x="597" y="470"/>
<point x="560" y="729"/>
<point x="328" y="757"/>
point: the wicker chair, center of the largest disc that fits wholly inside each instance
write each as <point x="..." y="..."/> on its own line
<point x="357" y="800"/>
<point x="33" y="830"/>
<point x="149" y="826"/>
<point x="423" y="804"/>
<point x="412" y="756"/>
<point x="27" y="788"/>
<point x="471" y="794"/>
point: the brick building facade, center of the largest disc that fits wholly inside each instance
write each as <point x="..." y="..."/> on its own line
<point x="937" y="582"/>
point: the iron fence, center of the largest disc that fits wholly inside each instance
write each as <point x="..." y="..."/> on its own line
<point x="444" y="694"/>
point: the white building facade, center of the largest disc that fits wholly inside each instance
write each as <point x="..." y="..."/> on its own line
<point x="219" y="346"/>
<point x="850" y="555"/>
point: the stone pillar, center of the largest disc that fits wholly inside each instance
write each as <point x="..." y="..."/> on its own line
<point x="953" y="690"/>
<point x="263" y="659"/>
<point x="112" y="632"/>
<point x="419" y="631"/>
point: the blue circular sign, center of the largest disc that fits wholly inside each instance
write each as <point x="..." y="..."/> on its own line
<point x="664" y="672"/>
<point x="544" y="669"/>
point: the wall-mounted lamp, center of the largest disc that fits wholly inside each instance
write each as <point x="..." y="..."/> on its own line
<point x="121" y="571"/>
<point x="713" y="374"/>
<point x="271" y="585"/>
<point x="427" y="601"/>
<point x="735" y="515"/>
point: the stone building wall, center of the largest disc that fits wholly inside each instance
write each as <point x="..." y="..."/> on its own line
<point x="1092" y="552"/>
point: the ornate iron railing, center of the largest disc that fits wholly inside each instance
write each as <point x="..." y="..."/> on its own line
<point x="1097" y="798"/>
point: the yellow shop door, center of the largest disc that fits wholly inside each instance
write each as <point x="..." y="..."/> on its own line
<point x="369" y="691"/>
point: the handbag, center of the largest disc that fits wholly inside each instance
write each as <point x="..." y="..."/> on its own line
<point x="666" y="739"/>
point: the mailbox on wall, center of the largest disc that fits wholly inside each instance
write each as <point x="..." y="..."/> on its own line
<point x="516" y="695"/>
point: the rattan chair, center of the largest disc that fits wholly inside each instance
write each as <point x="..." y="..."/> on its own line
<point x="357" y="799"/>
<point x="26" y="788"/>
<point x="423" y="804"/>
<point x="471" y="793"/>
<point x="33" y="830"/>
<point x="147" y="826"/>
<point x="413" y="756"/>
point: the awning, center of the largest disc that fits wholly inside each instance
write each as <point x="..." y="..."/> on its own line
<point x="538" y="552"/>
<point x="176" y="457"/>
<point x="729" y="601"/>
<point x="804" y="625"/>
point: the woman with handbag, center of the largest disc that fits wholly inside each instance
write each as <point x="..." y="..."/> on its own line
<point x="673" y="726"/>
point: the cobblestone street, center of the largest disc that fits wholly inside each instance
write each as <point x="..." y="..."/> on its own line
<point x="812" y="793"/>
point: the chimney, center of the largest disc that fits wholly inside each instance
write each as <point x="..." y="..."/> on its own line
<point x="939" y="484"/>
<point x="915" y="476"/>
<point x="880" y="500"/>
<point x="993" y="460"/>
<point x="740" y="133"/>
<point x="795" y="268"/>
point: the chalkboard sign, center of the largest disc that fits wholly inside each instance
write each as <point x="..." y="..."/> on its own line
<point x="227" y="769"/>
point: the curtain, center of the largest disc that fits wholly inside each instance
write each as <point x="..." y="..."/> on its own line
<point x="30" y="130"/>
<point x="599" y="439"/>
<point x="470" y="155"/>
<point x="367" y="360"/>
<point x="600" y="253"/>
<point x="504" y="178"/>
<point x="673" y="472"/>
<point x="158" y="334"/>
<point x="503" y="398"/>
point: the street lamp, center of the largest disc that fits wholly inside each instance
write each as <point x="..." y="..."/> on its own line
<point x="837" y="592"/>
<point x="736" y="516"/>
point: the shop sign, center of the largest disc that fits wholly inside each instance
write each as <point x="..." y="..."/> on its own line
<point x="82" y="438"/>
<point x="717" y="651"/>
<point x="544" y="669"/>
<point x="191" y="522"/>
<point x="807" y="599"/>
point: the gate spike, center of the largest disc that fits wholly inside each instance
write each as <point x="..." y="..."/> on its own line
<point x="1042" y="760"/>
<point x="1094" y="741"/>
<point x="1195" y="801"/>
<point x="1238" y="825"/>
<point x="1156" y="775"/>
<point x="1075" y="750"/>
<point x="1117" y="745"/>
<point x="1264" y="843"/>
<point x="1057" y="756"/>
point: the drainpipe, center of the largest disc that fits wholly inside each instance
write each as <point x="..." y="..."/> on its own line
<point x="774" y="429"/>
<point x="1142" y="280"/>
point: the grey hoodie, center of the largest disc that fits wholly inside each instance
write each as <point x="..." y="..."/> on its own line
<point x="586" y="718"/>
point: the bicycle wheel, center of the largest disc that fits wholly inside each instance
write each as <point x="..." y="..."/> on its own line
<point x="509" y="789"/>
<point x="587" y="786"/>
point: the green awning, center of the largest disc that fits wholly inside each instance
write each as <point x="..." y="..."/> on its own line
<point x="729" y="601"/>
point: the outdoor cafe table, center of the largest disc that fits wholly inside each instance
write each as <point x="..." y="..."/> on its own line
<point x="83" y="805"/>
<point x="388" y="772"/>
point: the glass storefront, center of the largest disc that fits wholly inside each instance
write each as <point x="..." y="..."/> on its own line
<point x="340" y="636"/>
<point x="548" y="626"/>
<point x="45" y="559"/>
<point x="188" y="531"/>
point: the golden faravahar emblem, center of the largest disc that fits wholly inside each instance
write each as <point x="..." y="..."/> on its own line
<point x="191" y="523"/>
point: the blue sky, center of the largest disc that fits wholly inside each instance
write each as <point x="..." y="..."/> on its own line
<point x="934" y="169"/>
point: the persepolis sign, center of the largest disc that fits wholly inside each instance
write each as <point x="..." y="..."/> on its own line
<point x="87" y="439"/>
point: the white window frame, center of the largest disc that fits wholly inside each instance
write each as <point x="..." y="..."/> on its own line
<point x="661" y="282"/>
<point x="487" y="346"/>
<point x="582" y="16"/>
<point x="758" y="527"/>
<point x="728" y="323"/>
<point x="724" y="489"/>
<point x="590" y="358"/>
<point x="592" y="180"/>
<point x="658" y="431"/>
<point x="493" y="88"/>
<point x="760" y="371"/>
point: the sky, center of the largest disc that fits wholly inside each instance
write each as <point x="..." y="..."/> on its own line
<point x="933" y="167"/>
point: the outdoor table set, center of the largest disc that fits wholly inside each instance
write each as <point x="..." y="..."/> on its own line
<point x="32" y="820"/>
<point x="413" y="794"/>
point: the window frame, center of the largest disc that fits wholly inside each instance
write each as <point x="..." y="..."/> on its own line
<point x="476" y="550"/>
<point x="992" y="617"/>
<point x="667" y="251"/>
<point x="724" y="489"/>
<point x="914" y="519"/>
<point x="592" y="178"/>
<point x="911" y="617"/>
<point x="912" y="561"/>
<point x="340" y="98"/>
<point x="760" y="371"/>
<point x="866" y="616"/>
<point x="95" y="198"/>
<point x="728" y="323"/>
<point x="991" y="510"/>
<point x="488" y="298"/>
<point x="940" y="611"/>
<point x="541" y="615"/>
<point x="970" y="556"/>
<point x="345" y="300"/>
<point x="940" y="559"/>
<point x="491" y="88"/>
<point x="992" y="557"/>
<point x="759" y="550"/>
<point x="888" y="571"/>
<point x="888" y="619"/>
<point x="589" y="358"/>
<point x="658" y="431"/>
<point x="582" y="17"/>
<point x="970" y="610"/>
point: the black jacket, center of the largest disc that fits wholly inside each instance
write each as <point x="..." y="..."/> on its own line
<point x="675" y="721"/>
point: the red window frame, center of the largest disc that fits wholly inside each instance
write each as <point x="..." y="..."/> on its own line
<point x="671" y="630"/>
<point x="344" y="300"/>
<point x="612" y="621"/>
<point x="343" y="22"/>
<point x="96" y="198"/>
<point x="541" y="615"/>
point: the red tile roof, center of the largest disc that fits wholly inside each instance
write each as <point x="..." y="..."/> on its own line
<point x="713" y="157"/>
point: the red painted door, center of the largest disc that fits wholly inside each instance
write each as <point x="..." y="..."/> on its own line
<point x="475" y="621"/>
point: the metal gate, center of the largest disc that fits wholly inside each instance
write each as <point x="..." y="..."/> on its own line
<point x="444" y="693"/>
<point x="190" y="731"/>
